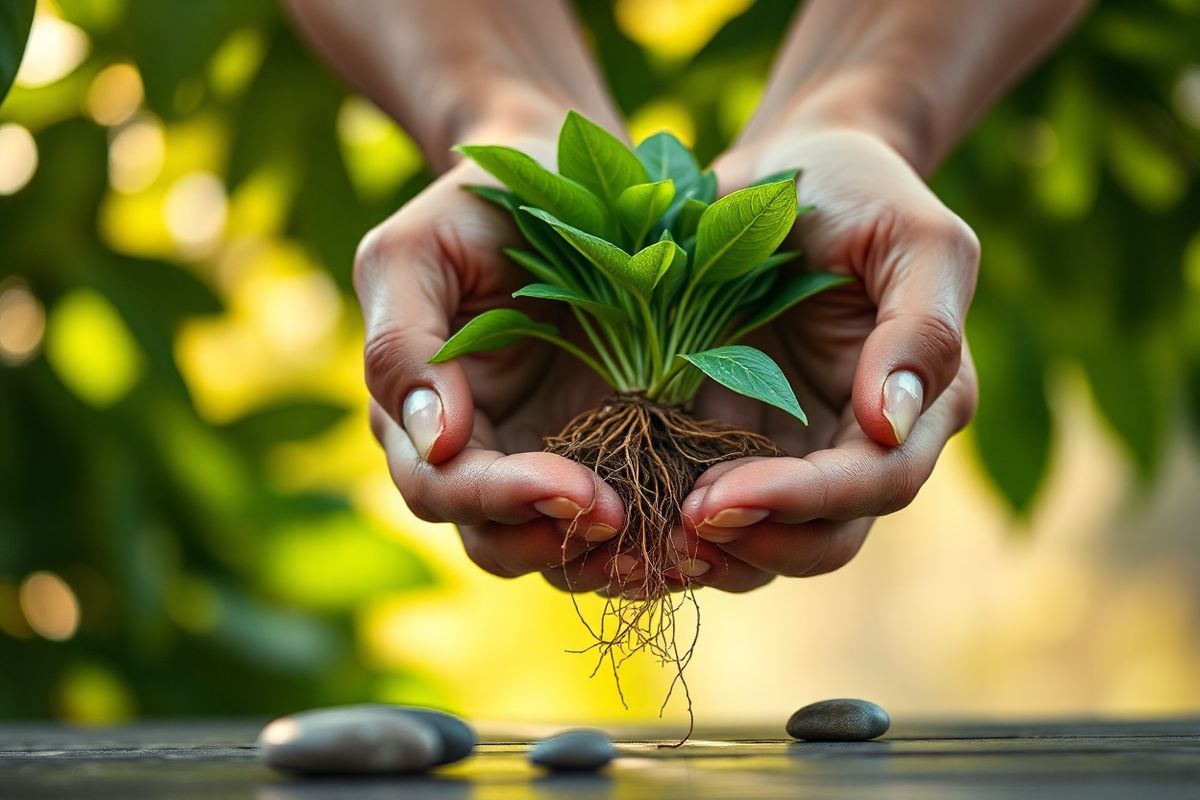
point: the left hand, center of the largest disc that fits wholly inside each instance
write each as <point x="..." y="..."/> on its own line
<point x="880" y="366"/>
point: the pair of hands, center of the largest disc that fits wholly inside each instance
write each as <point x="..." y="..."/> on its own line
<point x="880" y="367"/>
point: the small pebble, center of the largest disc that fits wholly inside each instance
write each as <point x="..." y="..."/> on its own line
<point x="458" y="738"/>
<point x="354" y="739"/>
<point x="580" y="750"/>
<point x="843" y="720"/>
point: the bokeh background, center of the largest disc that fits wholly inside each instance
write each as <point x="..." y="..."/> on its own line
<point x="195" y="520"/>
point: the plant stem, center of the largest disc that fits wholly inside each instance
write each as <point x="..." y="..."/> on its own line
<point x="580" y="354"/>
<point x="622" y="384"/>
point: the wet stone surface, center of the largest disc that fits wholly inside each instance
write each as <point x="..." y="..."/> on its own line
<point x="582" y="750"/>
<point x="842" y="720"/>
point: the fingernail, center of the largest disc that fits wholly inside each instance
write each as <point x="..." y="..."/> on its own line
<point x="599" y="532"/>
<point x="903" y="396"/>
<point x="624" y="565"/>
<point x="558" y="508"/>
<point x="422" y="418"/>
<point x="693" y="567"/>
<point x="725" y="525"/>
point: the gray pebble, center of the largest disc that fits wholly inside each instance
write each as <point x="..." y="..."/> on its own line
<point x="580" y="750"/>
<point x="458" y="738"/>
<point x="842" y="720"/>
<point x="354" y="739"/>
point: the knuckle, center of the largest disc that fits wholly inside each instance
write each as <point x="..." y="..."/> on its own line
<point x="940" y="337"/>
<point x="903" y="485"/>
<point x="384" y="360"/>
<point x="840" y="551"/>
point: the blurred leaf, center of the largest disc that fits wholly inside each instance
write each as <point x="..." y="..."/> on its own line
<point x="16" y="18"/>
<point x="759" y="29"/>
<point x="288" y="420"/>
<point x="173" y="40"/>
<point x="1066" y="184"/>
<point x="1012" y="428"/>
<point x="1133" y="391"/>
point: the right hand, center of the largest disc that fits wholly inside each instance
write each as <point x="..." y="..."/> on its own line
<point x="463" y="438"/>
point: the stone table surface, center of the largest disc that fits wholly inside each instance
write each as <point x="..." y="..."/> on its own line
<point x="209" y="759"/>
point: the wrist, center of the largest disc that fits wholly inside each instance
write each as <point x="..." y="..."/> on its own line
<point x="517" y="114"/>
<point x="864" y="101"/>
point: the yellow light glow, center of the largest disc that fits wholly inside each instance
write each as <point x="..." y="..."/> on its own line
<point x="135" y="156"/>
<point x="379" y="156"/>
<point x="663" y="115"/>
<point x="299" y="311"/>
<point x="92" y="694"/>
<point x="49" y="606"/>
<point x="361" y="122"/>
<point x="90" y="348"/>
<point x="195" y="210"/>
<point x="18" y="158"/>
<point x="675" y="28"/>
<point x="1187" y="95"/>
<point x="55" y="49"/>
<point x="115" y="94"/>
<point x="236" y="61"/>
<point x="22" y="324"/>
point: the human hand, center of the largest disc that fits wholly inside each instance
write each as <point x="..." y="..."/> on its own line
<point x="463" y="437"/>
<point x="879" y="365"/>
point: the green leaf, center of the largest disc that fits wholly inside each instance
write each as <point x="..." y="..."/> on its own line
<point x="288" y="420"/>
<point x="705" y="189"/>
<point x="640" y="206"/>
<point x="649" y="265"/>
<point x="606" y="257"/>
<point x="688" y="220"/>
<point x="16" y="18"/>
<point x="674" y="278"/>
<point x="499" y="197"/>
<point x="597" y="160"/>
<point x="667" y="158"/>
<point x="791" y="292"/>
<point x="544" y="291"/>
<point x="492" y="330"/>
<point x="538" y="186"/>
<point x="749" y="372"/>
<point x="742" y="229"/>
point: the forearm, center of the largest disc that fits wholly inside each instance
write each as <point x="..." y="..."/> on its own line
<point x="455" y="70"/>
<point x="914" y="72"/>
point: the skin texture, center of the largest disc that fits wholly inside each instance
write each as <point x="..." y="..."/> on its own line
<point x="866" y="97"/>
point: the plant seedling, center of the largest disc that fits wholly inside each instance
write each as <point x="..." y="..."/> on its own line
<point x="664" y="280"/>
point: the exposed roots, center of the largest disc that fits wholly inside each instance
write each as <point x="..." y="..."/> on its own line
<point x="651" y="455"/>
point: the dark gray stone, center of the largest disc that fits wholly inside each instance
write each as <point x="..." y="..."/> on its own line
<point x="842" y="720"/>
<point x="580" y="750"/>
<point x="353" y="739"/>
<point x="458" y="738"/>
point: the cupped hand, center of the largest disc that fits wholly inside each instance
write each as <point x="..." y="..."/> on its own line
<point x="463" y="438"/>
<point x="879" y="365"/>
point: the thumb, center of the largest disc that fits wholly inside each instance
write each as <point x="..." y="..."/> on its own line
<point x="406" y="304"/>
<point x="916" y="348"/>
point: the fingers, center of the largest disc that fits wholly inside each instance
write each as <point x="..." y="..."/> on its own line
<point x="480" y="486"/>
<point x="407" y="301"/>
<point x="915" y="350"/>
<point x="856" y="478"/>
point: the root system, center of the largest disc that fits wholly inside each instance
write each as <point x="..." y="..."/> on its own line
<point x="651" y="455"/>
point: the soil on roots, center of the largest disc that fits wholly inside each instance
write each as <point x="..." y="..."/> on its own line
<point x="651" y="455"/>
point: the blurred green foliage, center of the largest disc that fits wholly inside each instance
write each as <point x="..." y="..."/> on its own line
<point x="209" y="588"/>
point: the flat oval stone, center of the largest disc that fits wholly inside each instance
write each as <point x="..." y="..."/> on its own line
<point x="354" y="739"/>
<point x="579" y="750"/>
<point x="842" y="720"/>
<point x="458" y="738"/>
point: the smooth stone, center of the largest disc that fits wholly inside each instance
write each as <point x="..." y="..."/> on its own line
<point x="843" y="720"/>
<point x="458" y="738"/>
<point x="354" y="739"/>
<point x="579" y="750"/>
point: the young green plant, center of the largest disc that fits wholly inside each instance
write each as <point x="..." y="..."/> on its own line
<point x="664" y="280"/>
